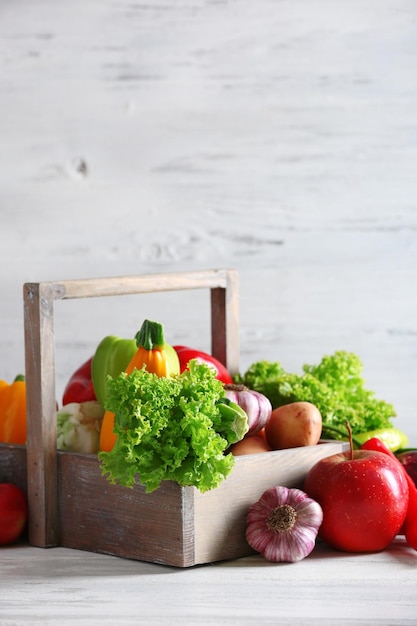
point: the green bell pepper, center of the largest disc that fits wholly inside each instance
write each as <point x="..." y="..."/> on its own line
<point x="112" y="356"/>
<point x="393" y="438"/>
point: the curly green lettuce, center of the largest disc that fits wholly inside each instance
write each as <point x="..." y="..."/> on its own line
<point x="335" y="385"/>
<point x="168" y="429"/>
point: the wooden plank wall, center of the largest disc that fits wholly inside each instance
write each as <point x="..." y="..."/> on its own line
<point x="275" y="137"/>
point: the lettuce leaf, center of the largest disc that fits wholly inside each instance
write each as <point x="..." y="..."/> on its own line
<point x="335" y="385"/>
<point x="167" y="429"/>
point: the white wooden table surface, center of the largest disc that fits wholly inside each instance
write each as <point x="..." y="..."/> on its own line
<point x="65" y="587"/>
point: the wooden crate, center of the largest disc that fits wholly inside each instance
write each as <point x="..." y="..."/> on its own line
<point x="13" y="465"/>
<point x="174" y="525"/>
<point x="71" y="504"/>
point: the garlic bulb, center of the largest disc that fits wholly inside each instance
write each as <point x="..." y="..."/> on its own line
<point x="257" y="407"/>
<point x="283" y="524"/>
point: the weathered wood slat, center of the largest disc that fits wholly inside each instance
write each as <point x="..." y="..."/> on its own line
<point x="41" y="412"/>
<point x="13" y="466"/>
<point x="174" y="525"/>
<point x="99" y="517"/>
<point x="147" y="283"/>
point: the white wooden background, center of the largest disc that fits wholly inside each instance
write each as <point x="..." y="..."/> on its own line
<point x="277" y="137"/>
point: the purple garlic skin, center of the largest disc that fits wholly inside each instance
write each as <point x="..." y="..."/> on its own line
<point x="283" y="524"/>
<point x="257" y="407"/>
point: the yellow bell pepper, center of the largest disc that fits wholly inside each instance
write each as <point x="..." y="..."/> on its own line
<point x="13" y="411"/>
<point x="158" y="358"/>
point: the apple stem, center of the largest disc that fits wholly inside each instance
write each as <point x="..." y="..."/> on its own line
<point x="349" y="429"/>
<point x="338" y="431"/>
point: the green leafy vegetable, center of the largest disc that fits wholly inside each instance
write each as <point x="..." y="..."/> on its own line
<point x="335" y="385"/>
<point x="169" y="429"/>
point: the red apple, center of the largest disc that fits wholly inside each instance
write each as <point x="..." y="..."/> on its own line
<point x="409" y="461"/>
<point x="364" y="497"/>
<point x="13" y="513"/>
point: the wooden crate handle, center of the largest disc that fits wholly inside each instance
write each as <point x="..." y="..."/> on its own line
<point x="39" y="300"/>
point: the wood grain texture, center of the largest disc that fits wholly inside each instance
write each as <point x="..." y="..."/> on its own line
<point x="42" y="484"/>
<point x="176" y="526"/>
<point x="74" y="587"/>
<point x="99" y="517"/>
<point x="13" y="465"/>
<point x="277" y="138"/>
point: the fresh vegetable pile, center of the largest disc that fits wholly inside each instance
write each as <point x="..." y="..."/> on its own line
<point x="355" y="501"/>
<point x="154" y="412"/>
<point x="336" y="387"/>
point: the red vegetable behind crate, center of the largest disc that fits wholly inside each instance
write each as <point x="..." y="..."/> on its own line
<point x="410" y="524"/>
<point x="185" y="354"/>
<point x="80" y="387"/>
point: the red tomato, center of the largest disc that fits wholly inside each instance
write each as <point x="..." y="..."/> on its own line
<point x="185" y="354"/>
<point x="13" y="513"/>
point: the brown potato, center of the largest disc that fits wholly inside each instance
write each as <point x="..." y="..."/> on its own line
<point x="294" y="425"/>
<point x="250" y="444"/>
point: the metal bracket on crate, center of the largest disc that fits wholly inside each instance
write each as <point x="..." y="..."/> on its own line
<point x="42" y="463"/>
